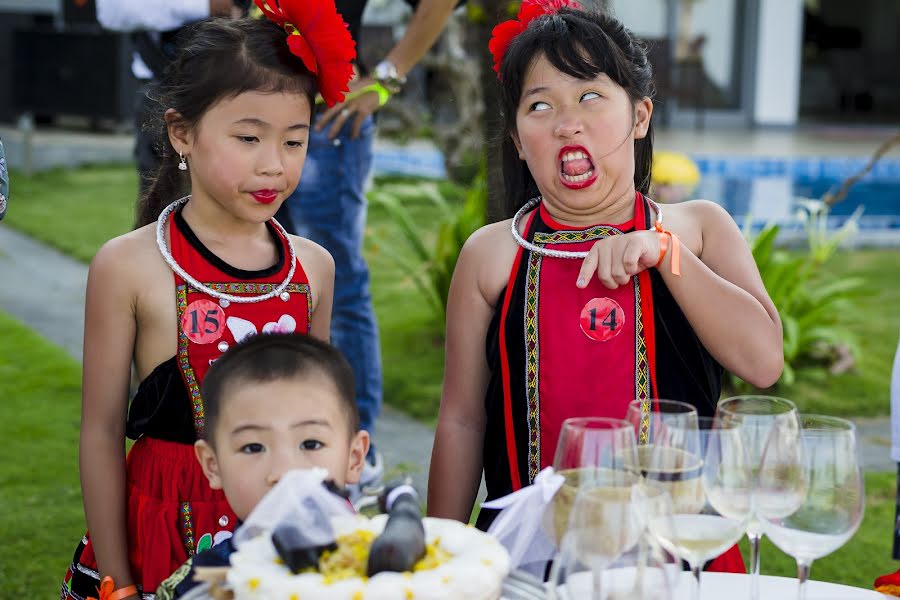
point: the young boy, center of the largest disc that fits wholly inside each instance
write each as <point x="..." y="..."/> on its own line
<point x="273" y="403"/>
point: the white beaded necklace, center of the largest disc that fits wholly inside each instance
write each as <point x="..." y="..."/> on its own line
<point x="549" y="251"/>
<point x="170" y="260"/>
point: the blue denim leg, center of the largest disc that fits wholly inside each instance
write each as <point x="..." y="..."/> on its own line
<point x="329" y="207"/>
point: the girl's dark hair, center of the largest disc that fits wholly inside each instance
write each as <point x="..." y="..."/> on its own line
<point x="273" y="357"/>
<point x="219" y="59"/>
<point x="581" y="44"/>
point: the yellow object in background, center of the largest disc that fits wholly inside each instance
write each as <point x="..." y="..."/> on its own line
<point x="674" y="176"/>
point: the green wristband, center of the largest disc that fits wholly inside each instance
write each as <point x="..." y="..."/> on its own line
<point x="383" y="94"/>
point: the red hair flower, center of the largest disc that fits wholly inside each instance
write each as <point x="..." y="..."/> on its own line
<point x="504" y="33"/>
<point x="319" y="36"/>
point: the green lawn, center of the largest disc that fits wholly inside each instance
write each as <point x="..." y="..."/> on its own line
<point x="43" y="520"/>
<point x="78" y="210"/>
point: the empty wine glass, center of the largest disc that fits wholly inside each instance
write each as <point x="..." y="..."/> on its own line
<point x="592" y="515"/>
<point x="833" y="506"/>
<point x="715" y="496"/>
<point x="758" y="418"/>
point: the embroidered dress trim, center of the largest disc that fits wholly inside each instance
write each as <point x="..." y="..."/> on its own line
<point x="532" y="366"/>
<point x="187" y="528"/>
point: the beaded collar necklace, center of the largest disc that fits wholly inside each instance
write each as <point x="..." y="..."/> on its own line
<point x="279" y="290"/>
<point x="559" y="253"/>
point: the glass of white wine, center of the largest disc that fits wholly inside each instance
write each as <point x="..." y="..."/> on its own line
<point x="712" y="516"/>
<point x="833" y="506"/>
<point x="758" y="418"/>
<point x="593" y="515"/>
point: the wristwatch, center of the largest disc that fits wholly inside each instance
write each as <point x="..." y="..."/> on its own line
<point x="386" y="74"/>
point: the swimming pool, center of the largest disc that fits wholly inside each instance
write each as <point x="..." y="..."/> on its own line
<point x="762" y="189"/>
<point x="767" y="190"/>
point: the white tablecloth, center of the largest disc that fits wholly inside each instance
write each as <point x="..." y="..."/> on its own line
<point x="731" y="586"/>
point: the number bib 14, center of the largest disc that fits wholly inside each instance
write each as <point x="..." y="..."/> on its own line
<point x="602" y="319"/>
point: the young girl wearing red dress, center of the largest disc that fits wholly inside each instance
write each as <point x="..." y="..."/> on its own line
<point x="648" y="308"/>
<point x="199" y="274"/>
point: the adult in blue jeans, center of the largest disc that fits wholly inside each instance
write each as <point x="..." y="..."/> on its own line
<point x="329" y="205"/>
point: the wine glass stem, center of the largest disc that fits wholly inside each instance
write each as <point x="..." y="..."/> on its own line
<point x="695" y="569"/>
<point x="754" y="565"/>
<point x="597" y="591"/>
<point x="802" y="576"/>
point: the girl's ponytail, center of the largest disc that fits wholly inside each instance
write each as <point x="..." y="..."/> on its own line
<point x="170" y="184"/>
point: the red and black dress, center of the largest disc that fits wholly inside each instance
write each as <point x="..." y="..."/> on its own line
<point x="171" y="511"/>
<point x="556" y="351"/>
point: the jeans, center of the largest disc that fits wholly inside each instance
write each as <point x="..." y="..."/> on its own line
<point x="329" y="208"/>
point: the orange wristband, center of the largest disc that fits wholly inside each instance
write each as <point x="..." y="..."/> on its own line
<point x="123" y="592"/>
<point x="664" y="237"/>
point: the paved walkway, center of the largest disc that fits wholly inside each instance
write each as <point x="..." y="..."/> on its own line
<point x="29" y="270"/>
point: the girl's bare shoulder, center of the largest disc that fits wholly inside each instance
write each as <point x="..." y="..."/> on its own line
<point x="132" y="255"/>
<point x="487" y="257"/>
<point x="695" y="219"/>
<point x="311" y="254"/>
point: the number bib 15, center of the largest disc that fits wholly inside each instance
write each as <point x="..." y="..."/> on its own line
<point x="602" y="319"/>
<point x="203" y="322"/>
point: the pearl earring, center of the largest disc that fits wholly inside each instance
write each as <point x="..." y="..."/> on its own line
<point x="182" y="166"/>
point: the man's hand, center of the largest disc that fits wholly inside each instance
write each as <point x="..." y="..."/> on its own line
<point x="357" y="108"/>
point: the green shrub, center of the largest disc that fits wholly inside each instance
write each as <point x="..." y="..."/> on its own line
<point x="430" y="266"/>
<point x="812" y="305"/>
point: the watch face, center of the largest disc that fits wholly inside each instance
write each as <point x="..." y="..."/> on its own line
<point x="386" y="74"/>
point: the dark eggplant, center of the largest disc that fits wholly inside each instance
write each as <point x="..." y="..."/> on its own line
<point x="296" y="550"/>
<point x="402" y="543"/>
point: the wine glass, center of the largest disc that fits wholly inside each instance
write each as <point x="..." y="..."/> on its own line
<point x="833" y="507"/>
<point x="652" y="419"/>
<point x="714" y="511"/>
<point x="758" y="418"/>
<point x="592" y="515"/>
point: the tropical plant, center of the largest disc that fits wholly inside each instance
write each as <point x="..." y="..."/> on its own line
<point x="810" y="304"/>
<point x="430" y="266"/>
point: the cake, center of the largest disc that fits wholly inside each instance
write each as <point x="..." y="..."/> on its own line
<point x="460" y="562"/>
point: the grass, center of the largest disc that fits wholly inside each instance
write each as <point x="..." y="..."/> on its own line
<point x="78" y="210"/>
<point x="876" y="321"/>
<point x="40" y="493"/>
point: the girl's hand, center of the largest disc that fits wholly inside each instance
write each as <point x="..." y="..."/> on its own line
<point x="618" y="258"/>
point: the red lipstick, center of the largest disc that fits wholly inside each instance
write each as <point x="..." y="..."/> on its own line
<point x="576" y="168"/>
<point x="264" y="196"/>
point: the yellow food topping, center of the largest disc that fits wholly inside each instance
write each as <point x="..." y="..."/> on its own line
<point x="253" y="583"/>
<point x="351" y="557"/>
<point x="409" y="594"/>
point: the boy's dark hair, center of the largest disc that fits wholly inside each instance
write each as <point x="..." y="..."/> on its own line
<point x="219" y="59"/>
<point x="275" y="356"/>
<point x="581" y="44"/>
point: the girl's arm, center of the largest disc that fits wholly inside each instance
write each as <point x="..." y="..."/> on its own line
<point x="456" y="463"/>
<point x="723" y="297"/>
<point x="109" y="334"/>
<point x="319" y="267"/>
<point x="720" y="292"/>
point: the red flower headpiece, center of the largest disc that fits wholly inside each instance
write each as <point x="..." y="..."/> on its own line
<point x="504" y="33"/>
<point x="319" y="36"/>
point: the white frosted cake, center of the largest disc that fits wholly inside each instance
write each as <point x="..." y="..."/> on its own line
<point x="461" y="563"/>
